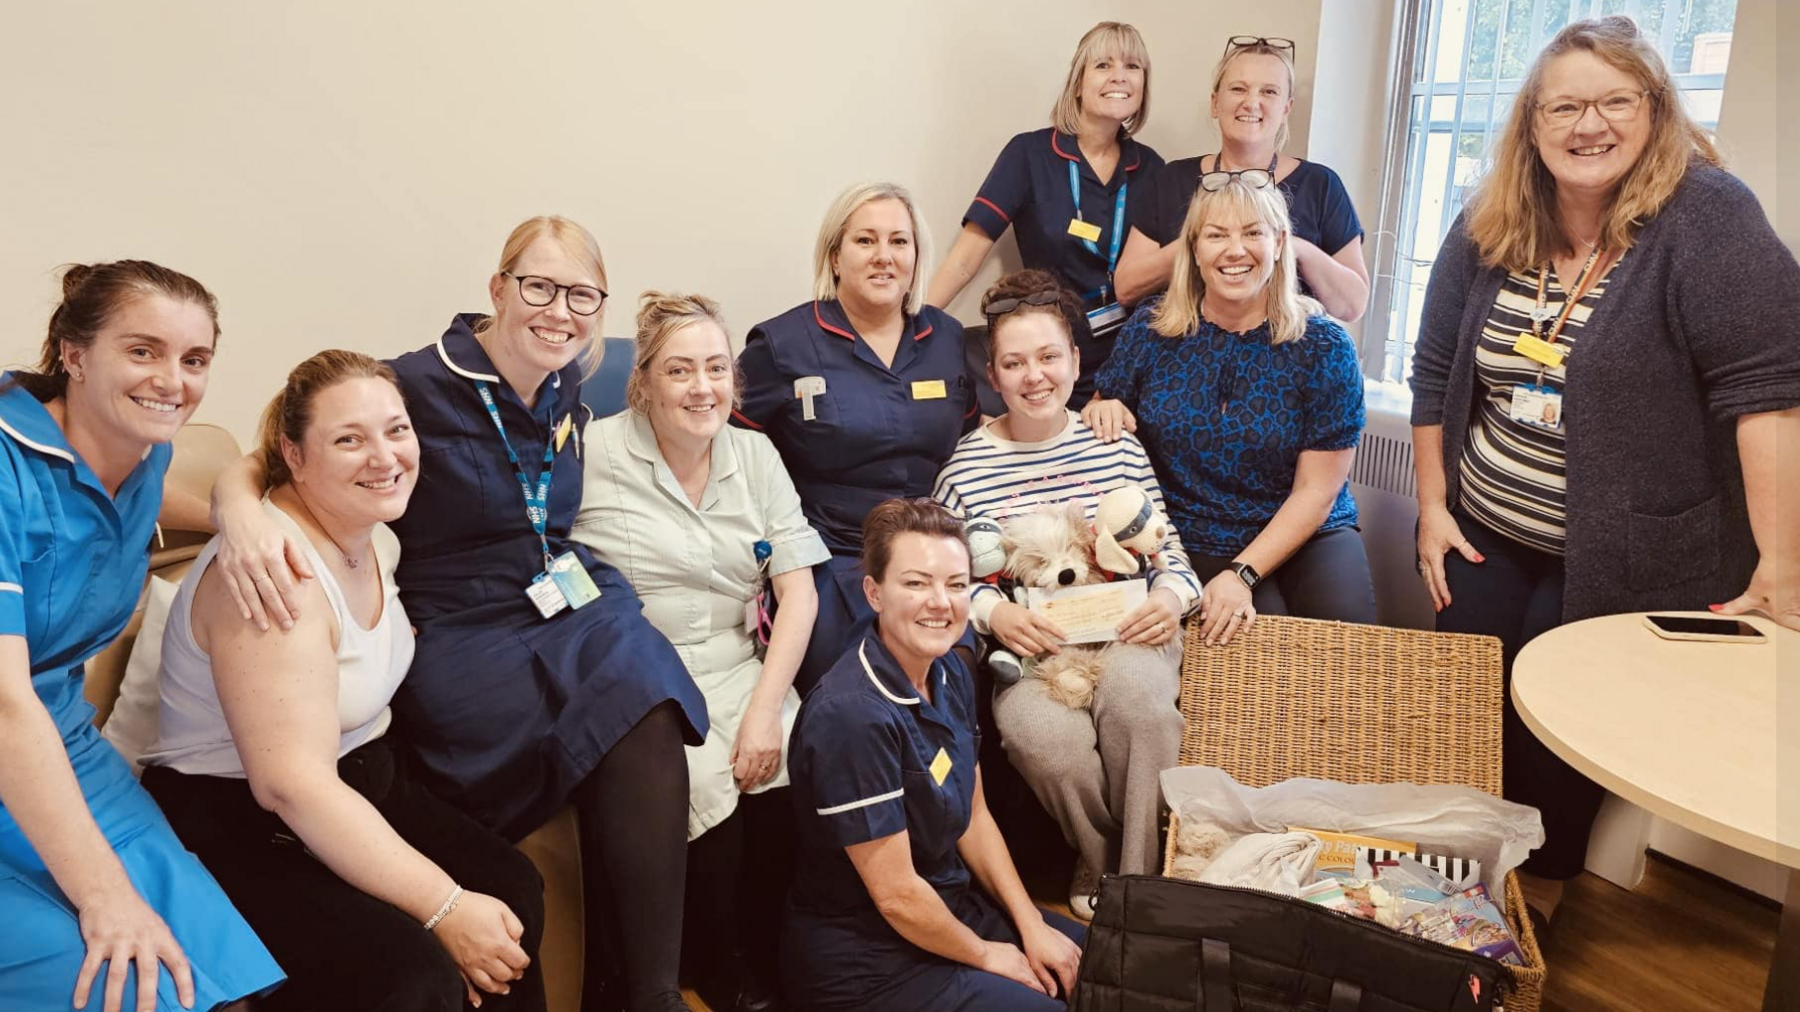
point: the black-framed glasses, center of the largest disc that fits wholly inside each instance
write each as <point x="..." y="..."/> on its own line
<point x="583" y="300"/>
<point x="1252" y="41"/>
<point x="1000" y="307"/>
<point x="1614" y="107"/>
<point x="1256" y="179"/>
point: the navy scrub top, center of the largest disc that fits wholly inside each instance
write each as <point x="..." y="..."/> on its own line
<point x="878" y="432"/>
<point x="508" y="711"/>
<point x="1028" y="188"/>
<point x="1318" y="205"/>
<point x="864" y="760"/>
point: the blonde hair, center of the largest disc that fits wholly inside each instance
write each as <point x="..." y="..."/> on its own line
<point x="1512" y="217"/>
<point x="290" y="414"/>
<point x="837" y="221"/>
<point x="581" y="247"/>
<point x="1288" y="310"/>
<point x="1105" y="38"/>
<point x="1286" y="56"/>
<point x="660" y="316"/>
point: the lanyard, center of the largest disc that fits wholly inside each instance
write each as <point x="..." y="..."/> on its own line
<point x="537" y="502"/>
<point x="1580" y="292"/>
<point x="1118" y="231"/>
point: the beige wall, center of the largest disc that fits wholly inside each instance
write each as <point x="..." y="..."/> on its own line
<point x="342" y="174"/>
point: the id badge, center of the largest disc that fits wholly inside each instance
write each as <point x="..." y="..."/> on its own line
<point x="545" y="595"/>
<point x="1536" y="406"/>
<point x="1540" y="351"/>
<point x="572" y="580"/>
<point x="1106" y="319"/>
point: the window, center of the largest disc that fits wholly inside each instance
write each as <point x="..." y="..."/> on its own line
<point x="1468" y="59"/>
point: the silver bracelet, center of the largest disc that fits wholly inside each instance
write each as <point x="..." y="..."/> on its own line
<point x="444" y="911"/>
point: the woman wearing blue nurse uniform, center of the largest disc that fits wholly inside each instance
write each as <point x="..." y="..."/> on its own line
<point x="97" y="894"/>
<point x="1070" y="190"/>
<point x="863" y="391"/>
<point x="527" y="691"/>
<point x="892" y="823"/>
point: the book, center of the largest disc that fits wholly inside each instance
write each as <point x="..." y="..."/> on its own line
<point x="1469" y="921"/>
<point x="1337" y="851"/>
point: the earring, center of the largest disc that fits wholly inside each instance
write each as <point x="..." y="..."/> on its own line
<point x="76" y="375"/>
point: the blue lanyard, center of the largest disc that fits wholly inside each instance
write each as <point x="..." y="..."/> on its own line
<point x="537" y="502"/>
<point x="1118" y="231"/>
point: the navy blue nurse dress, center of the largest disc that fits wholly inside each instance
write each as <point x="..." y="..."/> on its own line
<point x="878" y="433"/>
<point x="866" y="758"/>
<point x="72" y="560"/>
<point x="508" y="711"/>
<point x="1028" y="190"/>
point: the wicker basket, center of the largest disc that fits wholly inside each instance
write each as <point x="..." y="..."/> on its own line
<point x="1356" y="704"/>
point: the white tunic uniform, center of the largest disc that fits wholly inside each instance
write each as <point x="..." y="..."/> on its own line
<point x="695" y="569"/>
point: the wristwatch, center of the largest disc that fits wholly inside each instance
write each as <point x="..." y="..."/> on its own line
<point x="1247" y="573"/>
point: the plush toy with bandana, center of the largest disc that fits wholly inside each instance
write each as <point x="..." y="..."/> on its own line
<point x="1129" y="532"/>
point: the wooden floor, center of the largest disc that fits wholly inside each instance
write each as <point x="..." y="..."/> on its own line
<point x="1681" y="942"/>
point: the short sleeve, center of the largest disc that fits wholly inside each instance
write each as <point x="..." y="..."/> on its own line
<point x="1338" y="223"/>
<point x="12" y="561"/>
<point x="1334" y="411"/>
<point x="853" y="752"/>
<point x="1118" y="379"/>
<point x="765" y="388"/>
<point x="1005" y="190"/>
<point x="792" y="541"/>
<point x="1146" y="206"/>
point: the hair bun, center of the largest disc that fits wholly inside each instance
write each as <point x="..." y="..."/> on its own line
<point x="73" y="277"/>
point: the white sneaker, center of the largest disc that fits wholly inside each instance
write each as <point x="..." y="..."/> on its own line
<point x="1082" y="890"/>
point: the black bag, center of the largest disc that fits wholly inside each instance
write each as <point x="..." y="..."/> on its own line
<point x="1162" y="944"/>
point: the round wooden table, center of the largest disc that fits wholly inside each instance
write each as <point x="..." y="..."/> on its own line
<point x="1705" y="735"/>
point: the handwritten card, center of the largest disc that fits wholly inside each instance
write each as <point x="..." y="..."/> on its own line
<point x="1089" y="614"/>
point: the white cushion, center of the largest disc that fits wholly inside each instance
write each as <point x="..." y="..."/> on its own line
<point x="132" y="726"/>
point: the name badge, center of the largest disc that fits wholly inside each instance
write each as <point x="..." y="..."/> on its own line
<point x="1084" y="230"/>
<point x="940" y="767"/>
<point x="546" y="595"/>
<point x="1538" y="407"/>
<point x="1540" y="351"/>
<point x="929" y="390"/>
<point x="1106" y="319"/>
<point x="566" y="585"/>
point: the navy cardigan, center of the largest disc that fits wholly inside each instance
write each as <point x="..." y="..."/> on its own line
<point x="1700" y="326"/>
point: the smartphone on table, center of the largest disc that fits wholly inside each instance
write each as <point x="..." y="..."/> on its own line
<point x="1704" y="628"/>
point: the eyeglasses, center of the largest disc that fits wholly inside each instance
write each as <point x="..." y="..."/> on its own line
<point x="1617" y="107"/>
<point x="1256" y="179"/>
<point x="1000" y="307"/>
<point x="583" y="300"/>
<point x="1252" y="41"/>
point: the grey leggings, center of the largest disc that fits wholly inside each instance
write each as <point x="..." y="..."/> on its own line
<point x="1099" y="773"/>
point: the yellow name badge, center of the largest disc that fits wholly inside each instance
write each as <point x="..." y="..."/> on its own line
<point x="563" y="430"/>
<point x="1082" y="230"/>
<point x="1540" y="351"/>
<point x="929" y="390"/>
<point x="940" y="767"/>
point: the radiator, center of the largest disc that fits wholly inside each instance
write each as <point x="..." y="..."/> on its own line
<point x="1382" y="481"/>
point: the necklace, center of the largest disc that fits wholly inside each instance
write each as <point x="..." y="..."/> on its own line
<point x="349" y="560"/>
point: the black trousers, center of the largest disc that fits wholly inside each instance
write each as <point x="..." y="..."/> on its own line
<point x="1516" y="595"/>
<point x="341" y="947"/>
<point x="1327" y="578"/>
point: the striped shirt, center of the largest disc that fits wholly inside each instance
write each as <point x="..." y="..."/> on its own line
<point x="1513" y="474"/>
<point x="999" y="479"/>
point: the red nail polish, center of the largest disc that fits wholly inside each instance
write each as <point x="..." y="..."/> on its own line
<point x="1715" y="607"/>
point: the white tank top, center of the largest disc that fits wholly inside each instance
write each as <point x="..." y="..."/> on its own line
<point x="193" y="736"/>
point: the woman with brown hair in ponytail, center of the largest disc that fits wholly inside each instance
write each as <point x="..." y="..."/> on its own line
<point x="91" y="876"/>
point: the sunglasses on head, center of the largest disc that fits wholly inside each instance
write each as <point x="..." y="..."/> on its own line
<point x="1000" y="307"/>
<point x="1254" y="41"/>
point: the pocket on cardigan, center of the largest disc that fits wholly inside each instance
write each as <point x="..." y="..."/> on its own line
<point x="1665" y="551"/>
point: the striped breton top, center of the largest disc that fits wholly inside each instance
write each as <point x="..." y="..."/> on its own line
<point x="1514" y="478"/>
<point x="1000" y="479"/>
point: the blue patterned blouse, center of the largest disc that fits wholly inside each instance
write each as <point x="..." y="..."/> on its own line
<point x="1225" y="416"/>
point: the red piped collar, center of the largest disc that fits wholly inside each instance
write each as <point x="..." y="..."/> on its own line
<point x="1125" y="143"/>
<point x="851" y="336"/>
